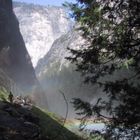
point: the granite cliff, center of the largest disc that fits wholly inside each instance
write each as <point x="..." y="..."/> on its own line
<point x="40" y="27"/>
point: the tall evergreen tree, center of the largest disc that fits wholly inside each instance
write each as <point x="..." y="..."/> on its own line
<point x="112" y="30"/>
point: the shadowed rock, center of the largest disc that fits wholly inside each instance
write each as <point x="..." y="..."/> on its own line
<point x="14" y="58"/>
<point x="17" y="122"/>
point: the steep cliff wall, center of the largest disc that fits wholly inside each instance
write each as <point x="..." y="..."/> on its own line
<point x="56" y="74"/>
<point x="14" y="58"/>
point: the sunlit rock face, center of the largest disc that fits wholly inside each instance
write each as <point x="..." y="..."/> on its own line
<point x="58" y="53"/>
<point x="57" y="75"/>
<point x="40" y="26"/>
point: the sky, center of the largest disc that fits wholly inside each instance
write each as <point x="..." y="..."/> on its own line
<point x="46" y="2"/>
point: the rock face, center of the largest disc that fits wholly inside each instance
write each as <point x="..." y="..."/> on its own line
<point x="21" y="123"/>
<point x="57" y="74"/>
<point x="18" y="123"/>
<point x="14" y="58"/>
<point x="59" y="52"/>
<point x="40" y="26"/>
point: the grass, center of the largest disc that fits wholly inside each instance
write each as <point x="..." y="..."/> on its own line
<point x="51" y="124"/>
<point x="52" y="127"/>
<point x="3" y="95"/>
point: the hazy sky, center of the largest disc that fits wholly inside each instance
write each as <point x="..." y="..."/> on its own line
<point x="46" y="2"/>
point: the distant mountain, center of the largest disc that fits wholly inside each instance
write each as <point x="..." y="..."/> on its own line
<point x="41" y="26"/>
<point x="56" y="75"/>
<point x="58" y="52"/>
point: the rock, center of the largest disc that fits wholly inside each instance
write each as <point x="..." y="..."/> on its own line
<point x="12" y="112"/>
<point x="30" y="130"/>
<point x="15" y="62"/>
<point x="30" y="117"/>
<point x="3" y="105"/>
<point x="18" y="123"/>
<point x="41" y="26"/>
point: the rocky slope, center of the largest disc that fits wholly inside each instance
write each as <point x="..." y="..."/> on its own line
<point x="56" y="74"/>
<point x="59" y="51"/>
<point x="40" y="27"/>
<point x="27" y="122"/>
<point x="18" y="123"/>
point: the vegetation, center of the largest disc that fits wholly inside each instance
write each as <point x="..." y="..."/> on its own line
<point x="52" y="126"/>
<point x="111" y="29"/>
<point x="3" y="94"/>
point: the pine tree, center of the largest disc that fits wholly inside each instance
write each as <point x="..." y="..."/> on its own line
<point x="112" y="30"/>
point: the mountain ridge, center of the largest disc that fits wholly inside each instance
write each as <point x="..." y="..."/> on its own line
<point x="41" y="26"/>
